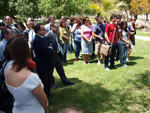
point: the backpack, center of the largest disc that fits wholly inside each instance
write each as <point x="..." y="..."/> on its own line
<point x="6" y="99"/>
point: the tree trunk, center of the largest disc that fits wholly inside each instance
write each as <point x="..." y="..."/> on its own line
<point x="126" y="13"/>
<point x="145" y="22"/>
<point x="147" y="16"/>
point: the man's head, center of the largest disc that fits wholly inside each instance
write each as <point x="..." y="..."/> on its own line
<point x="113" y="18"/>
<point x="51" y="18"/>
<point x="2" y="25"/>
<point x="54" y="27"/>
<point x="28" y="24"/>
<point x="7" y="33"/>
<point x="40" y="29"/>
<point x="72" y="18"/>
<point x="99" y="19"/>
<point x="7" y="20"/>
<point x="119" y="19"/>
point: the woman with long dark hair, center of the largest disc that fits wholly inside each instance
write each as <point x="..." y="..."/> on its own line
<point x="123" y="43"/>
<point x="132" y="32"/>
<point x="64" y="37"/>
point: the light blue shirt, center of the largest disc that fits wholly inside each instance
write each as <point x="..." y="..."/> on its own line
<point x="47" y="27"/>
<point x="2" y="48"/>
<point x="77" y="34"/>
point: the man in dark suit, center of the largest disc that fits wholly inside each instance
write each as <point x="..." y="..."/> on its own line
<point x="44" y="61"/>
<point x="53" y="36"/>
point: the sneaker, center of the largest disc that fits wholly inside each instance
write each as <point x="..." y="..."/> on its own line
<point x="76" y="60"/>
<point x="125" y="65"/>
<point x="127" y="60"/>
<point x="107" y="69"/>
<point x="79" y="57"/>
<point x="99" y="63"/>
<point x="88" y="63"/>
<point x="84" y="63"/>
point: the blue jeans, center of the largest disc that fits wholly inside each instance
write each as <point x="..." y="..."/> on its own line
<point x="112" y="57"/>
<point x="77" y="46"/>
<point x="64" y="51"/>
<point x="123" y="52"/>
<point x="70" y="46"/>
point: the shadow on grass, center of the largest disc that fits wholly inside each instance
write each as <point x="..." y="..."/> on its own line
<point x="143" y="80"/>
<point x="98" y="98"/>
<point x="69" y="62"/>
<point x="135" y="57"/>
<point x="130" y="63"/>
<point x="61" y="85"/>
<point x="88" y="98"/>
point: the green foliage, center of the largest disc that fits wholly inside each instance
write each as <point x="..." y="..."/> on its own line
<point x="22" y="9"/>
<point x="64" y="7"/>
<point x="108" y="7"/>
<point x="4" y="7"/>
<point x="26" y="11"/>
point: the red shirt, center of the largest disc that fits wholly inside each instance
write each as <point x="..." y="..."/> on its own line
<point x="110" y="29"/>
<point x="31" y="64"/>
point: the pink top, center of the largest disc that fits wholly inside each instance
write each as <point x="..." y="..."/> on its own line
<point x="87" y="31"/>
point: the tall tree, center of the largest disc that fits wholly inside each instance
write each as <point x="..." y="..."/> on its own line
<point x="107" y="7"/>
<point x="140" y="7"/>
<point x="19" y="9"/>
<point x="64" y="7"/>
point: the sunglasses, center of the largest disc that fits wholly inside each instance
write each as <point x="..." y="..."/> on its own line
<point x="43" y="29"/>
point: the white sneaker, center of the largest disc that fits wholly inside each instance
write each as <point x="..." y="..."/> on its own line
<point x="125" y="65"/>
<point x="79" y="57"/>
<point x="84" y="63"/>
<point x="127" y="60"/>
<point x="88" y="63"/>
<point x="107" y="69"/>
<point x="99" y="63"/>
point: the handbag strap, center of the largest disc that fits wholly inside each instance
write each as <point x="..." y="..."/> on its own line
<point x="113" y="36"/>
<point x="4" y="67"/>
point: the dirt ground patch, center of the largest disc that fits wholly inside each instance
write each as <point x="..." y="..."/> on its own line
<point x="69" y="110"/>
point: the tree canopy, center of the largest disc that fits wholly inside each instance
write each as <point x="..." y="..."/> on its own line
<point x="140" y="6"/>
<point x="22" y="9"/>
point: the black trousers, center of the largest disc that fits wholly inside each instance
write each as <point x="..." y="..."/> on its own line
<point x="59" y="68"/>
<point x="46" y="80"/>
<point x="117" y="53"/>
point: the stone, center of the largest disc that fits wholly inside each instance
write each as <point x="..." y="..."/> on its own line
<point x="139" y="24"/>
<point x="69" y="110"/>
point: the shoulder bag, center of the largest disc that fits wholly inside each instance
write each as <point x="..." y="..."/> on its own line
<point x="107" y="49"/>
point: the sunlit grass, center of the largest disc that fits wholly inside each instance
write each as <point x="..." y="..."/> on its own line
<point x="121" y="90"/>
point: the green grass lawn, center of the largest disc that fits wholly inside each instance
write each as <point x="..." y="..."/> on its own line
<point x="122" y="90"/>
<point x="141" y="32"/>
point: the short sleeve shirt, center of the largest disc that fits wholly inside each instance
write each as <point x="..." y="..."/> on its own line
<point x="87" y="31"/>
<point x="99" y="30"/>
<point x="25" y="101"/>
<point x="110" y="29"/>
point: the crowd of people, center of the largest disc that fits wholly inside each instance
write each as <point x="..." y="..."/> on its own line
<point x="29" y="56"/>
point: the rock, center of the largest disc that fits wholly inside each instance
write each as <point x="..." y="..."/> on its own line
<point x="139" y="24"/>
<point x="69" y="110"/>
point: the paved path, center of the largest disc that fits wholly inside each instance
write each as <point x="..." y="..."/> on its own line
<point x="142" y="38"/>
